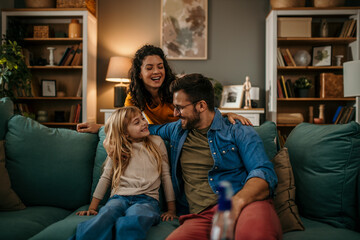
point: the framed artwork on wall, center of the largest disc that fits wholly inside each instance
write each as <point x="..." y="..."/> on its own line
<point x="184" y="29"/>
<point x="48" y="88"/>
<point x="322" y="56"/>
<point x="232" y="96"/>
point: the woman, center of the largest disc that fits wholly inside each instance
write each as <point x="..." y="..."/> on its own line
<point x="151" y="76"/>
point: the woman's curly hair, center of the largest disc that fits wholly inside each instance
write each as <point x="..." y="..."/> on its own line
<point x="140" y="96"/>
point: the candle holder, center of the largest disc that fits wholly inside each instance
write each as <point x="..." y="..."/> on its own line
<point x="51" y="56"/>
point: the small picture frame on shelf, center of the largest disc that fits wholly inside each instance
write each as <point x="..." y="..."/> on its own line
<point x="48" y="88"/>
<point x="232" y="96"/>
<point x="322" y="56"/>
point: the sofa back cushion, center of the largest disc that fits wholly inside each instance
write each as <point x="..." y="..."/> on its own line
<point x="6" y="111"/>
<point x="49" y="166"/>
<point x="98" y="164"/>
<point x="268" y="134"/>
<point x="326" y="161"/>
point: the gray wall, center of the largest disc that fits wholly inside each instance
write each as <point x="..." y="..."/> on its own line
<point x="236" y="41"/>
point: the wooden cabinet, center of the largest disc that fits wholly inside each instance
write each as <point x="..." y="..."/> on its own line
<point x="346" y="46"/>
<point x="77" y="82"/>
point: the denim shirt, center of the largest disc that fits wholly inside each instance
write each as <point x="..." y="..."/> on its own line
<point x="237" y="150"/>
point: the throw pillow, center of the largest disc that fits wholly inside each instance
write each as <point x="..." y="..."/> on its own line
<point x="285" y="193"/>
<point x="326" y="162"/>
<point x="268" y="133"/>
<point x="9" y="200"/>
<point x="49" y="166"/>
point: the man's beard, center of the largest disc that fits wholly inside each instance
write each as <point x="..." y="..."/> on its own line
<point x="192" y="122"/>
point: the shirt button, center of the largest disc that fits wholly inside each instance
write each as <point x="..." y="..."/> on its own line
<point x="233" y="149"/>
<point x="214" y="153"/>
<point x="217" y="191"/>
<point x="211" y="179"/>
<point x="211" y="141"/>
<point x="216" y="167"/>
<point x="224" y="152"/>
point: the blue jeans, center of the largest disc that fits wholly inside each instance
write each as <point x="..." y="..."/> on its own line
<point x="122" y="217"/>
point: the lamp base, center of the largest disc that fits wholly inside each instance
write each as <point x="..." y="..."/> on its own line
<point x="119" y="96"/>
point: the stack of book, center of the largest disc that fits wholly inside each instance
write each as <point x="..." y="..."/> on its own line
<point x="344" y="114"/>
<point x="348" y="29"/>
<point x="284" y="58"/>
<point x="285" y="89"/>
<point x="72" y="56"/>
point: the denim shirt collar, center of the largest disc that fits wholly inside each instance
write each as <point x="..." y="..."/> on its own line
<point x="217" y="121"/>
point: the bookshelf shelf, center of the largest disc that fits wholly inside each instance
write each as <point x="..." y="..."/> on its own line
<point x="332" y="40"/>
<point x="314" y="99"/>
<point x="41" y="40"/>
<point x="282" y="72"/>
<point x="76" y="75"/>
<point x="55" y="67"/>
<point x="312" y="68"/>
<point x="50" y="98"/>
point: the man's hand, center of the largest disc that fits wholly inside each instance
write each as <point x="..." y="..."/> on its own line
<point x="88" y="127"/>
<point x="233" y="116"/>
<point x="87" y="213"/>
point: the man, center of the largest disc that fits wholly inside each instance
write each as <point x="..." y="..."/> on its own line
<point x="206" y="149"/>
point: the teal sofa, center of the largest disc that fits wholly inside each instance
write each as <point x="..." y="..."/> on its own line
<point x="55" y="171"/>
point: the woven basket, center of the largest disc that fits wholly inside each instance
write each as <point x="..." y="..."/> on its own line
<point x="40" y="3"/>
<point x="89" y="4"/>
<point x="328" y="3"/>
<point x="287" y="3"/>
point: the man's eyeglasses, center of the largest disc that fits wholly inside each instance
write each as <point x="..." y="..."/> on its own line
<point x="179" y="109"/>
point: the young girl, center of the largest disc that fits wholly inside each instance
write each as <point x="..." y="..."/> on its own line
<point x="135" y="180"/>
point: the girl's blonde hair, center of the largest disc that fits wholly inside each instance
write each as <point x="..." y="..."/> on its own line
<point x="116" y="131"/>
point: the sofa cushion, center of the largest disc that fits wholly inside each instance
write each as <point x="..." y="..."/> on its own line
<point x="49" y="166"/>
<point x="284" y="201"/>
<point x="19" y="225"/>
<point x="98" y="165"/>
<point x="9" y="200"/>
<point x="315" y="230"/>
<point x="268" y="133"/>
<point x="6" y="111"/>
<point x="64" y="228"/>
<point x="326" y="161"/>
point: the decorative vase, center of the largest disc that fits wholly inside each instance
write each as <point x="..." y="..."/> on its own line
<point x="40" y="3"/>
<point x="302" y="58"/>
<point x="324" y="30"/>
<point x="74" y="29"/>
<point x="302" y="92"/>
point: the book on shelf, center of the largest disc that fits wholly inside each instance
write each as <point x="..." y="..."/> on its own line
<point x="72" y="113"/>
<point x="79" y="90"/>
<point x="336" y="115"/>
<point x="77" y="61"/>
<point x="339" y="115"/>
<point x="351" y="27"/>
<point x="279" y="90"/>
<point x="331" y="85"/>
<point x="63" y="58"/>
<point x="345" y="115"/>
<point x="290" y="88"/>
<point x="291" y="57"/>
<point x="348" y="28"/>
<point x="286" y="57"/>
<point x="71" y="55"/>
<point x="77" y="113"/>
<point x="280" y="59"/>
<point x="284" y="86"/>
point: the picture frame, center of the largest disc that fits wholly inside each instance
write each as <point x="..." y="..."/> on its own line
<point x="232" y="96"/>
<point x="322" y="56"/>
<point x="184" y="29"/>
<point x="48" y="88"/>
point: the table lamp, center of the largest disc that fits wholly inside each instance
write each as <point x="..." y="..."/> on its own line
<point x="352" y="83"/>
<point x="118" y="72"/>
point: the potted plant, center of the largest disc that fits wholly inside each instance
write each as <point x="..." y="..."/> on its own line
<point x="217" y="91"/>
<point x="14" y="74"/>
<point x="302" y="86"/>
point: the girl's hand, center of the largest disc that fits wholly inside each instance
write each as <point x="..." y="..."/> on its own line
<point x="87" y="213"/>
<point x="233" y="116"/>
<point x="169" y="215"/>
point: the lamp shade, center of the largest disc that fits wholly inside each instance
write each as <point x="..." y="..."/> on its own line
<point x="352" y="78"/>
<point x="254" y="93"/>
<point x="118" y="69"/>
